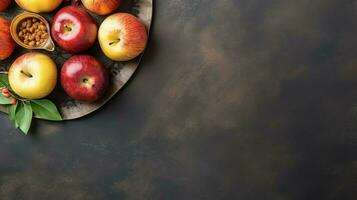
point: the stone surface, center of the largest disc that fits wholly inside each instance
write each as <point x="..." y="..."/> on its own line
<point x="234" y="99"/>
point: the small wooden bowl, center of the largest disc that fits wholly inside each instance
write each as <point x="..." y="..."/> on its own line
<point x="48" y="45"/>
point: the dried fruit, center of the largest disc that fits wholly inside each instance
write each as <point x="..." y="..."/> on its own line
<point x="32" y="32"/>
<point x="14" y="101"/>
<point x="5" y="92"/>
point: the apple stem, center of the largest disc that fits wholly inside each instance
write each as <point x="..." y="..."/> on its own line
<point x="26" y="74"/>
<point x="114" y="42"/>
<point x="67" y="28"/>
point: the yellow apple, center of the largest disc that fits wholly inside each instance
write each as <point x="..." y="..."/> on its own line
<point x="33" y="75"/>
<point x="39" y="6"/>
<point x="122" y="37"/>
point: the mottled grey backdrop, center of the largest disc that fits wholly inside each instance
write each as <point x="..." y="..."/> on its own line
<point x="234" y="100"/>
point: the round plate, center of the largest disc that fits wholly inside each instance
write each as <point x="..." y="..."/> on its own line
<point x="120" y="72"/>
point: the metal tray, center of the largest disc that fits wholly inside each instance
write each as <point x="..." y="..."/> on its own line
<point x="120" y="72"/>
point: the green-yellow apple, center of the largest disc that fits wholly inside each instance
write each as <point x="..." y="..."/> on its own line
<point x="33" y="75"/>
<point x="39" y="6"/>
<point x="122" y="37"/>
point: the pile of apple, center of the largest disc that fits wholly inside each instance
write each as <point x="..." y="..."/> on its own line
<point x="33" y="76"/>
<point x="121" y="36"/>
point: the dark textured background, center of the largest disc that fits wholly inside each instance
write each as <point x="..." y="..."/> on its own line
<point x="234" y="99"/>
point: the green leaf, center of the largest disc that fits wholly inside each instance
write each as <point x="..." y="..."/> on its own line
<point x="4" y="81"/>
<point x="45" y="109"/>
<point x="12" y="114"/>
<point x="23" y="116"/>
<point x="4" y="100"/>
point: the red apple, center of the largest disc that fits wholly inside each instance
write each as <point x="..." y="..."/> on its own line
<point x="84" y="78"/>
<point x="73" y="29"/>
<point x="101" y="7"/>
<point x="122" y="36"/>
<point x="7" y="44"/>
<point x="4" y="4"/>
